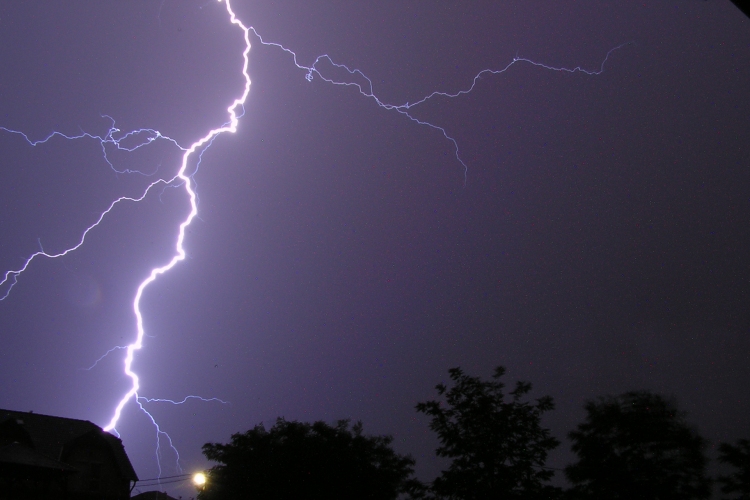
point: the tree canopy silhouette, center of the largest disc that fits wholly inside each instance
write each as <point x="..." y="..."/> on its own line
<point x="498" y="447"/>
<point x="302" y="461"/>
<point x="637" y="446"/>
<point x="738" y="456"/>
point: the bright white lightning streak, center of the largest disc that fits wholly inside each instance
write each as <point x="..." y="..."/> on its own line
<point x="231" y="126"/>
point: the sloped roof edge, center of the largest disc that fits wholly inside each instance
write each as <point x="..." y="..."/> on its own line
<point x="50" y="434"/>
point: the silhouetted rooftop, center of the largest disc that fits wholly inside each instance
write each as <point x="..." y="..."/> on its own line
<point x="49" y="436"/>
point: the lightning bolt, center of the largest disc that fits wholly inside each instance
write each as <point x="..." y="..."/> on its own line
<point x="206" y="140"/>
<point x="143" y="137"/>
<point x="147" y="136"/>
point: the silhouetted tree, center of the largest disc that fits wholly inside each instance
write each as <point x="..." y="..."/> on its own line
<point x="302" y="461"/>
<point x="498" y="448"/>
<point x="738" y="456"/>
<point x="637" y="446"/>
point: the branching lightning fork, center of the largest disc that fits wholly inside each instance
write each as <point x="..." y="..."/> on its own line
<point x="405" y="108"/>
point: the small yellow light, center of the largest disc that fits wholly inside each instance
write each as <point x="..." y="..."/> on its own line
<point x="199" y="479"/>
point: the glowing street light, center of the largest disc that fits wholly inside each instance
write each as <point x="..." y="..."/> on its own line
<point x="199" y="479"/>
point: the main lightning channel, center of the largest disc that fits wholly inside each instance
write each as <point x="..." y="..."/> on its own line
<point x="230" y="126"/>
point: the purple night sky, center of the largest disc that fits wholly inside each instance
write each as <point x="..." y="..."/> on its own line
<point x="339" y="264"/>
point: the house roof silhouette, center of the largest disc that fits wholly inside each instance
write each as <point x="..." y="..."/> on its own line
<point x="42" y="440"/>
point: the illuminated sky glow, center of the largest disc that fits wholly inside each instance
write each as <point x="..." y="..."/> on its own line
<point x="582" y="226"/>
